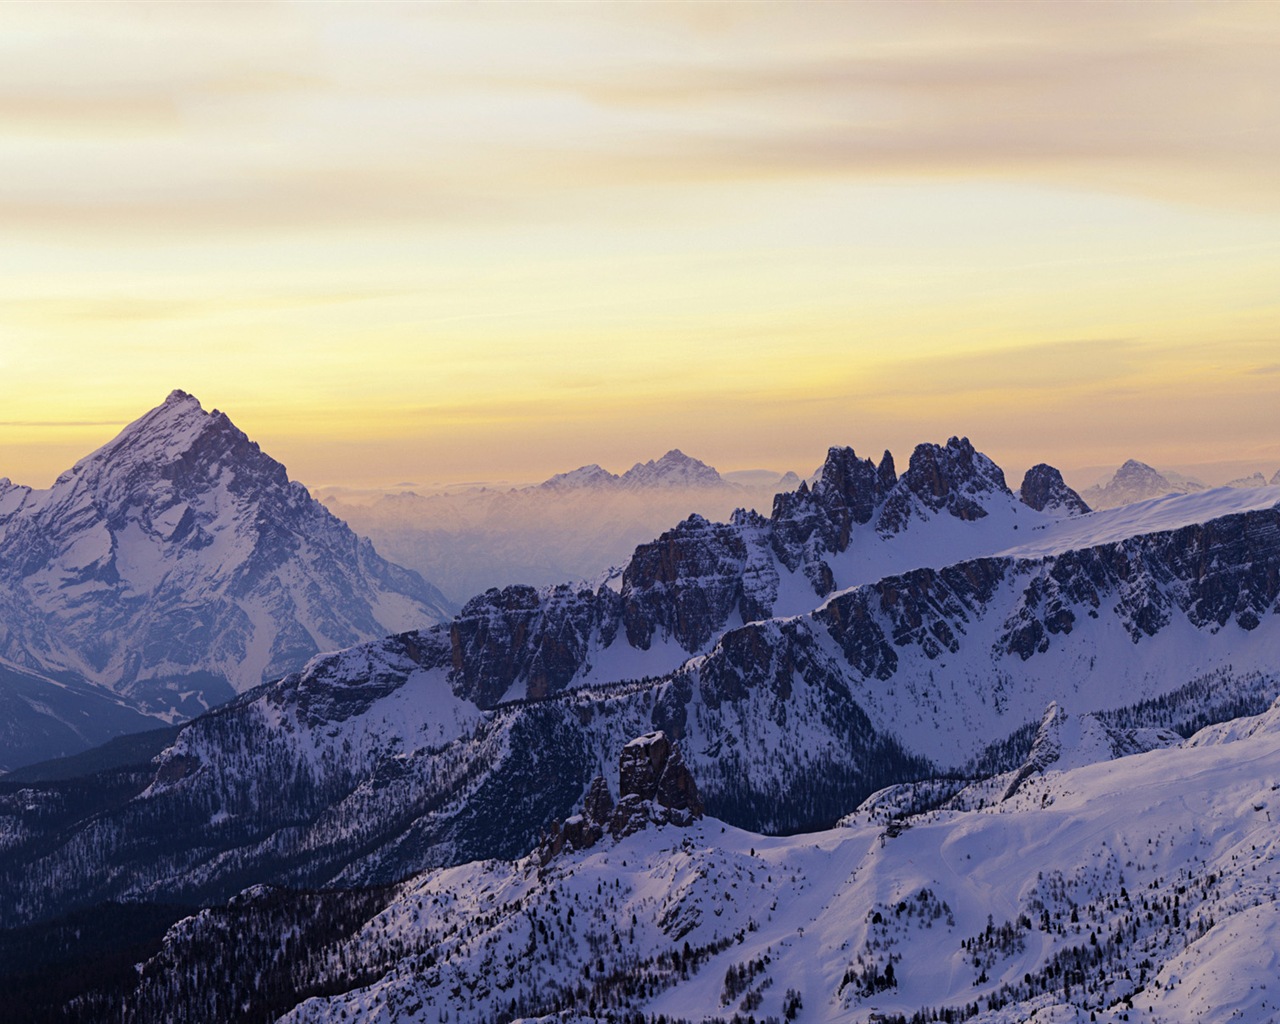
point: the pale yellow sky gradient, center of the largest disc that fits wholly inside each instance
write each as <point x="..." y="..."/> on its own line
<point x="429" y="242"/>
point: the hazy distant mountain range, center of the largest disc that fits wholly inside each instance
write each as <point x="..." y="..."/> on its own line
<point x="575" y="525"/>
<point x="675" y="469"/>
<point x="1136" y="481"/>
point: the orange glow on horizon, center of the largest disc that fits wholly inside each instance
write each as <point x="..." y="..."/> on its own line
<point x="401" y="242"/>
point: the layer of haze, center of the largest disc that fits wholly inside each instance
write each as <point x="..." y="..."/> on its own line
<point x="428" y="242"/>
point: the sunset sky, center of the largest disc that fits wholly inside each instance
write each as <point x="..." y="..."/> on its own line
<point x="434" y="242"/>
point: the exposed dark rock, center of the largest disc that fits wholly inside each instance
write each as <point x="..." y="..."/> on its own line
<point x="926" y="607"/>
<point x="599" y="802"/>
<point x="808" y="523"/>
<point x="947" y="479"/>
<point x="677" y="790"/>
<point x="848" y="492"/>
<point x="522" y="635"/>
<point x="346" y="684"/>
<point x="1213" y="572"/>
<point x="670" y="706"/>
<point x="886" y="474"/>
<point x="748" y="657"/>
<point x="641" y="764"/>
<point x="655" y="786"/>
<point x="688" y="582"/>
<point x="1044" y="490"/>
<point x="578" y="833"/>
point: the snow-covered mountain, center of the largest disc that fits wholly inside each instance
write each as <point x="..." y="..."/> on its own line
<point x="1136" y="889"/>
<point x="675" y="469"/>
<point x="1136" y="481"/>
<point x="877" y="629"/>
<point x="988" y="690"/>
<point x="580" y="478"/>
<point x="178" y="565"/>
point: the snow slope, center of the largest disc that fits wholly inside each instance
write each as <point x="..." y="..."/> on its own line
<point x="1140" y="888"/>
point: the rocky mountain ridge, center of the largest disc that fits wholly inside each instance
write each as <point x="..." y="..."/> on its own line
<point x="678" y="592"/>
<point x="466" y="740"/>
<point x="655" y="787"/>
<point x="1044" y="490"/>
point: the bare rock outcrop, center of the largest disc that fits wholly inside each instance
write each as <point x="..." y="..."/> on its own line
<point x="655" y="787"/>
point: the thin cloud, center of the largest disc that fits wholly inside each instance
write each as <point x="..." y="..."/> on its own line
<point x="1153" y="100"/>
<point x="139" y="308"/>
<point x="62" y="423"/>
<point x="1053" y="366"/>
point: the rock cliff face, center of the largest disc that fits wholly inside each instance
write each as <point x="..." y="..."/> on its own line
<point x="810" y="524"/>
<point x="808" y="527"/>
<point x="539" y="640"/>
<point x="179" y="564"/>
<point x="1044" y="490"/>
<point x="952" y="479"/>
<point x="655" y="787"/>
<point x="1211" y="574"/>
<point x="689" y="582"/>
<point x="926" y="608"/>
<point x="652" y="770"/>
